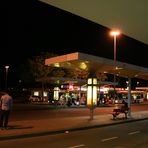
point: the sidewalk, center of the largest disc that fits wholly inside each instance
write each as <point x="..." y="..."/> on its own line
<point x="32" y="128"/>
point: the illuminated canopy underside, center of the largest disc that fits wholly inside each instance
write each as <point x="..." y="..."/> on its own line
<point x="98" y="64"/>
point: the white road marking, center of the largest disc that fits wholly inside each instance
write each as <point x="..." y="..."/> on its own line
<point x="107" y="139"/>
<point x="132" y="133"/>
<point x="81" y="145"/>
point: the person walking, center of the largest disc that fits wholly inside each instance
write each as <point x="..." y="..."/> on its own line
<point x="6" y="106"/>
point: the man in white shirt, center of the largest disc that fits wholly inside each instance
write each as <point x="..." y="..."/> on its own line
<point x="6" y="105"/>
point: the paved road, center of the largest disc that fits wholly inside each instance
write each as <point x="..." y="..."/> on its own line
<point x="127" y="135"/>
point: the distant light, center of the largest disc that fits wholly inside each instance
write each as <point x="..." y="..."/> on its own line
<point x="114" y="33"/>
<point x="7" y="67"/>
<point x="117" y="68"/>
<point x="105" y="72"/>
<point x="45" y="94"/>
<point x="71" y="87"/>
<point x="83" y="66"/>
<point x="56" y="65"/>
<point x="66" y="132"/>
<point x="56" y="93"/>
<point x="36" y="93"/>
<point x="116" y="101"/>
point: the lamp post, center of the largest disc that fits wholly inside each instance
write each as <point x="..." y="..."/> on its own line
<point x="91" y="94"/>
<point x="6" y="67"/>
<point x="115" y="34"/>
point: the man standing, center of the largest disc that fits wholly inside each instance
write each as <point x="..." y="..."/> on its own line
<point x="6" y="105"/>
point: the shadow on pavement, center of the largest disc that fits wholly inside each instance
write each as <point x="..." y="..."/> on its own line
<point x="13" y="127"/>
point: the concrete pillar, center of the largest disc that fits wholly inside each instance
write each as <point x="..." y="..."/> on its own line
<point x="129" y="96"/>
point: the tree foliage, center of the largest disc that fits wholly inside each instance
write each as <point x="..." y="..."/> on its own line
<point x="38" y="68"/>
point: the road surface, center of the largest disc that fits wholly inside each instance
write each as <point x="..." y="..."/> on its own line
<point x="127" y="135"/>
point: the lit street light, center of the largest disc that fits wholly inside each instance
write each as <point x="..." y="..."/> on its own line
<point x="91" y="94"/>
<point x="7" y="67"/>
<point x="115" y="34"/>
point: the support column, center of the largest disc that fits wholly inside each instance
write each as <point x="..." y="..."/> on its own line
<point x="129" y="96"/>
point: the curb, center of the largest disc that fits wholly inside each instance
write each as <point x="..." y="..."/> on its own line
<point x="22" y="136"/>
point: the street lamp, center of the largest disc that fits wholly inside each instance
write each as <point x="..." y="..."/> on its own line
<point x="115" y="34"/>
<point x="91" y="94"/>
<point x="7" y="67"/>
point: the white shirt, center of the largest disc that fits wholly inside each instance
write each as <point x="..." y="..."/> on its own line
<point x="6" y="102"/>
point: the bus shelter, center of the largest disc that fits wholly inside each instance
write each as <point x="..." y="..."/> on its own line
<point x="94" y="64"/>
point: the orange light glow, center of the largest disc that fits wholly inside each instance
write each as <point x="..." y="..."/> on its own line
<point x="114" y="33"/>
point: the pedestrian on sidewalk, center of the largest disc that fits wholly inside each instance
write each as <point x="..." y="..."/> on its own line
<point x="5" y="107"/>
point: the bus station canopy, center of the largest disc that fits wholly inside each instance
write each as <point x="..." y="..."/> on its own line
<point x="93" y="63"/>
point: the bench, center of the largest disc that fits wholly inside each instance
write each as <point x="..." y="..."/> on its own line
<point x="123" y="110"/>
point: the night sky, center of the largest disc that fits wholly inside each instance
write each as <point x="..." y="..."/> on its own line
<point x="34" y="27"/>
